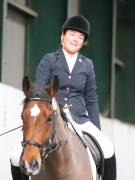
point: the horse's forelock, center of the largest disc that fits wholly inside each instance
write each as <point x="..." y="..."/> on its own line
<point x="38" y="92"/>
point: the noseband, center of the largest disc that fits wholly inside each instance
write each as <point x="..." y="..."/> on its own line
<point x="50" y="145"/>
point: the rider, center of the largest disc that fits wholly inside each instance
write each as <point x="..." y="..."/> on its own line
<point x="77" y="86"/>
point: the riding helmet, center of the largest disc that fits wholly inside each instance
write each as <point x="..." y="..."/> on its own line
<point x="78" y="23"/>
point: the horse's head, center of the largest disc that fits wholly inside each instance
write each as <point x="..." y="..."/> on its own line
<point x="38" y="118"/>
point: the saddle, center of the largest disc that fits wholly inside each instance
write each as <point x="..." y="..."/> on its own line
<point x="96" y="151"/>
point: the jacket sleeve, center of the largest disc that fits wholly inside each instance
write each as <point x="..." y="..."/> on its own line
<point x="91" y="96"/>
<point x="43" y="72"/>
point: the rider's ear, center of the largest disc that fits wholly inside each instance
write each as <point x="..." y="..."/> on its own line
<point x="53" y="88"/>
<point x="26" y="85"/>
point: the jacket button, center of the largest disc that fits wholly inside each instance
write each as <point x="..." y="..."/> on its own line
<point x="69" y="77"/>
<point x="67" y="88"/>
<point x="80" y="60"/>
<point x="65" y="99"/>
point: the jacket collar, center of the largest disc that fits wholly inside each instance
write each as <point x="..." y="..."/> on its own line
<point x="60" y="55"/>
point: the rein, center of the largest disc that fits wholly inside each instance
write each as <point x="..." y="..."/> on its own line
<point x="10" y="130"/>
<point x="50" y="145"/>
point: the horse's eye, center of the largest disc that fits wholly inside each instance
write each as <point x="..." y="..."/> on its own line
<point x="22" y="116"/>
<point x="50" y="118"/>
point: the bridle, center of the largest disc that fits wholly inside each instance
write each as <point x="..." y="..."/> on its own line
<point x="50" y="145"/>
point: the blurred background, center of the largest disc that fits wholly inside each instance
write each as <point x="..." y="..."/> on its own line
<point x="31" y="28"/>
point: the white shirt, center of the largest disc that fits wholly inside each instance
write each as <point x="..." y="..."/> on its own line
<point x="70" y="60"/>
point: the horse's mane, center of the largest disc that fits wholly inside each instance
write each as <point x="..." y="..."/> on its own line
<point x="59" y="109"/>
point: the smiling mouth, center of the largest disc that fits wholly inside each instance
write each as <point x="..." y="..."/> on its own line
<point x="72" y="44"/>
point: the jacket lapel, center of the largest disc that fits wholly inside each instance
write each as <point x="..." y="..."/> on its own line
<point x="62" y="59"/>
<point x="78" y="63"/>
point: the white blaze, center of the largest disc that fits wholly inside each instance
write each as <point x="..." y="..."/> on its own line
<point x="35" y="110"/>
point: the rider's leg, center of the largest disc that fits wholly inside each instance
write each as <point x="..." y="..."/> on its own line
<point x="106" y="145"/>
<point x="17" y="174"/>
<point x="110" y="172"/>
<point x="107" y="148"/>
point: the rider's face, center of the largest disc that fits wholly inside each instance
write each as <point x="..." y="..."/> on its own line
<point x="72" y="41"/>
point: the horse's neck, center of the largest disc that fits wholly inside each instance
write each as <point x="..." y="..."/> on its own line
<point x="63" y="133"/>
<point x="60" y="162"/>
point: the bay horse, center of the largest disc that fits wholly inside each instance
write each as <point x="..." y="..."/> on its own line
<point x="51" y="151"/>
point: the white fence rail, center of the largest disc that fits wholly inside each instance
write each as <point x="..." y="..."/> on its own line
<point x="11" y="101"/>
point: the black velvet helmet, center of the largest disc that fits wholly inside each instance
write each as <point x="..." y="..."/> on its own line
<point x="78" y="23"/>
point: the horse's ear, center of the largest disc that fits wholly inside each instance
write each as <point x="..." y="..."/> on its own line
<point x="53" y="88"/>
<point x="26" y="85"/>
